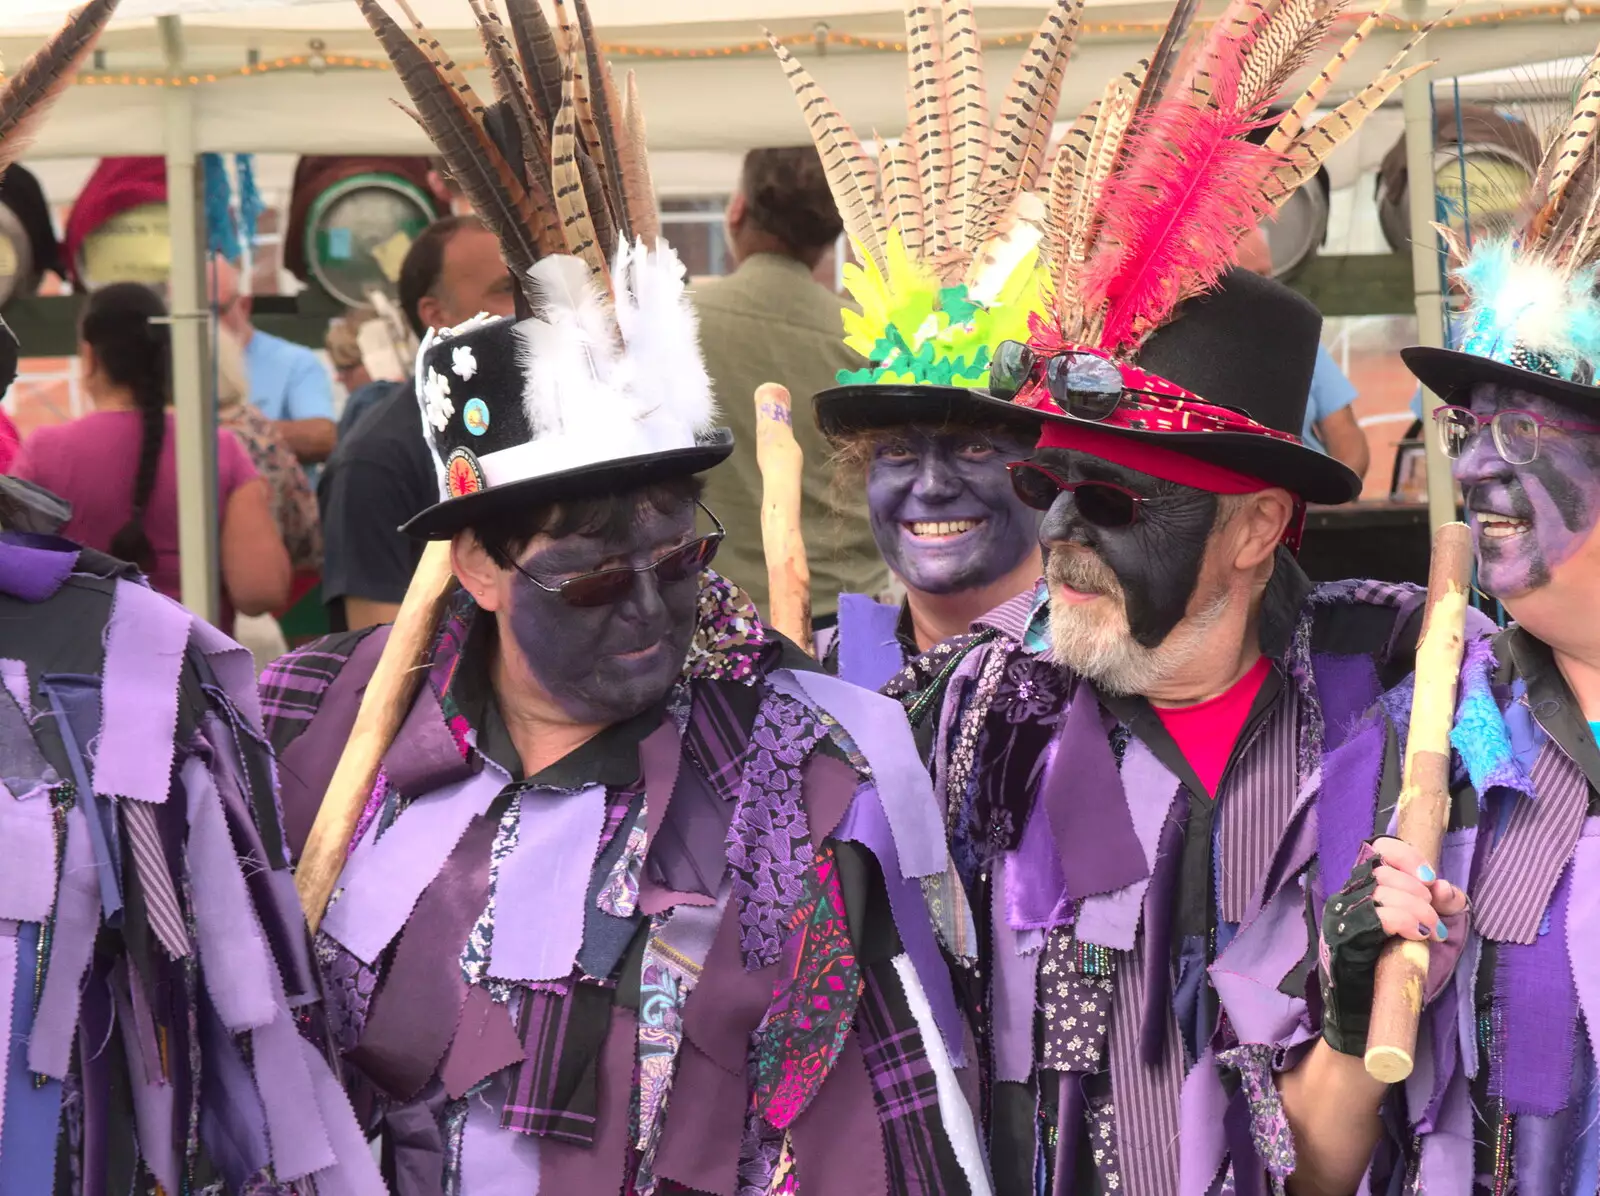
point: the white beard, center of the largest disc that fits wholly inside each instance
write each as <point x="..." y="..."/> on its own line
<point x="1101" y="647"/>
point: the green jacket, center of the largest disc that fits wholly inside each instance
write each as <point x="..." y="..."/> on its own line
<point x="772" y="322"/>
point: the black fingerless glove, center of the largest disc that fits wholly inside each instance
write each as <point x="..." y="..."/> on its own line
<point x="1352" y="937"/>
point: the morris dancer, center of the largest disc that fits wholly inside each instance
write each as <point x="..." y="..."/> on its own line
<point x="1118" y="785"/>
<point x="637" y="904"/>
<point x="155" y="972"/>
<point x="950" y="269"/>
<point x="1506" y="1100"/>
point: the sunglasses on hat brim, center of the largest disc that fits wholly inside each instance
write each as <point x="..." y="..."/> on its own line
<point x="1085" y="384"/>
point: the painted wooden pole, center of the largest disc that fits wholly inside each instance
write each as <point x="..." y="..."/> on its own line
<point x="782" y="463"/>
<point x="1424" y="808"/>
<point x="393" y="686"/>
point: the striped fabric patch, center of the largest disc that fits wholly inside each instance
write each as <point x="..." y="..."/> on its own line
<point x="1256" y="806"/>
<point x="160" y="896"/>
<point x="1526" y="863"/>
<point x="1145" y="1099"/>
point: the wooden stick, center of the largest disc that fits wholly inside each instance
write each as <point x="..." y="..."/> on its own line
<point x="782" y="462"/>
<point x="394" y="682"/>
<point x="1424" y="808"/>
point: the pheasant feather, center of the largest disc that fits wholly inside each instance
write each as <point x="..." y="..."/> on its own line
<point x="636" y="168"/>
<point x="928" y="122"/>
<point x="577" y="224"/>
<point x="849" y="173"/>
<point x="1027" y="115"/>
<point x="1165" y="59"/>
<point x="902" y="198"/>
<point x="1083" y="206"/>
<point x="541" y="59"/>
<point x="1294" y="120"/>
<point x="448" y="71"/>
<point x="29" y="93"/>
<point x="1570" y="152"/>
<point x="967" y="99"/>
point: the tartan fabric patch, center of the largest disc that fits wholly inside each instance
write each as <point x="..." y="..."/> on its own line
<point x="292" y="686"/>
<point x="917" y="1150"/>
<point x="555" y="1092"/>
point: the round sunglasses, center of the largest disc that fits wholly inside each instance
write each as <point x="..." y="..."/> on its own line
<point x="606" y="586"/>
<point x="1102" y="504"/>
<point x="1083" y="384"/>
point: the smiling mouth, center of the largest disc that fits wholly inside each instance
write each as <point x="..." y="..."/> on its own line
<point x="1500" y="527"/>
<point x="947" y="529"/>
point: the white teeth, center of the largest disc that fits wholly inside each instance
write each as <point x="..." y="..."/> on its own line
<point x="1500" y="527"/>
<point x="952" y="528"/>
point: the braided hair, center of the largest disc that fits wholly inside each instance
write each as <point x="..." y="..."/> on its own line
<point x="132" y="350"/>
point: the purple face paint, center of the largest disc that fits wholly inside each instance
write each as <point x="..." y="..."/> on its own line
<point x="603" y="664"/>
<point x="1527" y="519"/>
<point x="1157" y="559"/>
<point x="942" y="508"/>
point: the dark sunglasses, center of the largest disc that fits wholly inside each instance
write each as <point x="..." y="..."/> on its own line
<point x="1103" y="504"/>
<point x="1083" y="384"/>
<point x="606" y="586"/>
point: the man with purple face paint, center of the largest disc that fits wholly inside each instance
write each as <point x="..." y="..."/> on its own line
<point x="642" y="901"/>
<point x="1506" y="1087"/>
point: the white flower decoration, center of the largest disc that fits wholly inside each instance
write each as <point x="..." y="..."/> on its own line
<point x="462" y="363"/>
<point x="436" y="391"/>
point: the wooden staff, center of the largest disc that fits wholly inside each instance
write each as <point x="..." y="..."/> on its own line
<point x="781" y="462"/>
<point x="383" y="708"/>
<point x="1424" y="808"/>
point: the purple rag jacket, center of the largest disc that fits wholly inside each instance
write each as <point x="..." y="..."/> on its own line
<point x="157" y="994"/>
<point x="1504" y="1096"/>
<point x="703" y="952"/>
<point x="1121" y="908"/>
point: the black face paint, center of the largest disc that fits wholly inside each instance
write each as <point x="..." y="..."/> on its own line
<point x="1157" y="559"/>
<point x="604" y="664"/>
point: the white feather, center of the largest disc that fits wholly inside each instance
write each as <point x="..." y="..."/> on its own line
<point x="661" y="332"/>
<point x="569" y="354"/>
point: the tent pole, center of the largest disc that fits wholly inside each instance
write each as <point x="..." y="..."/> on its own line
<point x="194" y="414"/>
<point x="1417" y="100"/>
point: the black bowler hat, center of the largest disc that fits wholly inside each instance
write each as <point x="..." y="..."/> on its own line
<point x="523" y="413"/>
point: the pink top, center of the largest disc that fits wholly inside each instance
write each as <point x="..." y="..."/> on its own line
<point x="8" y="442"/>
<point x="1206" y="732"/>
<point x="90" y="462"/>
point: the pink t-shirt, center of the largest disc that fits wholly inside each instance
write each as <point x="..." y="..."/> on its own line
<point x="90" y="462"/>
<point x="1207" y="731"/>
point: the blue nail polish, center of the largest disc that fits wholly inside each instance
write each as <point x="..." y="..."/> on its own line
<point x="1427" y="875"/>
<point x="1441" y="932"/>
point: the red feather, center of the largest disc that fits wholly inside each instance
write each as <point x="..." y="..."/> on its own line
<point x="1172" y="219"/>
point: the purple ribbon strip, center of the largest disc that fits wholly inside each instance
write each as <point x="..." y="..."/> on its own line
<point x="354" y="1171"/>
<point x="1015" y="987"/>
<point x="145" y="644"/>
<point x="1035" y="891"/>
<point x="33" y="574"/>
<point x="28" y="880"/>
<point x="32" y="1109"/>
<point x="1247" y="973"/>
<point x="485" y="1042"/>
<point x="1347" y="805"/>
<point x="296" y="1129"/>
<point x="234" y="668"/>
<point x="239" y="971"/>
<point x="8" y="990"/>
<point x="878" y="726"/>
<point x="1083" y="795"/>
<point x="1583" y="916"/>
<point x="77" y="921"/>
<point x="869" y="646"/>
<point x="383" y="880"/>
<point x="1535" y="988"/>
<point x="154" y="1099"/>
<point x="1112" y="919"/>
<point x="494" y="1161"/>
<point x="867" y="824"/>
<point x="1202" y="1141"/>
<point x="543" y="882"/>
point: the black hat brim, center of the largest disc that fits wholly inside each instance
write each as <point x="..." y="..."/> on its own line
<point x="1449" y="372"/>
<point x="1303" y="471"/>
<point x="443" y="520"/>
<point x="865" y="407"/>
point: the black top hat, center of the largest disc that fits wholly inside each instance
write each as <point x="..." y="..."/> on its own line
<point x="841" y="410"/>
<point x="475" y="394"/>
<point x="1250" y="345"/>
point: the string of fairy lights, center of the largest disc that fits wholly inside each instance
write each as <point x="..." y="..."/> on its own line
<point x="316" y="62"/>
